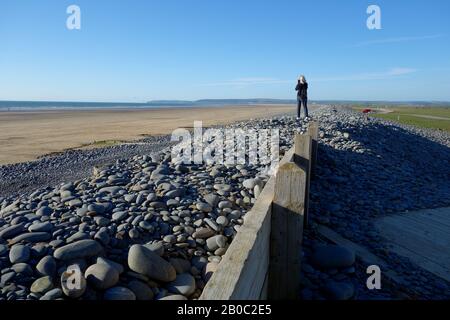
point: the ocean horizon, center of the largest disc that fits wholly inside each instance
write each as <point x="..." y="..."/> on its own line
<point x="158" y="104"/>
<point x="67" y="105"/>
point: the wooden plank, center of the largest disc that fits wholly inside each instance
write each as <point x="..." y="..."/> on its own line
<point x="430" y="220"/>
<point x="242" y="273"/>
<point x="287" y="232"/>
<point x="422" y="236"/>
<point x="439" y="268"/>
<point x="313" y="131"/>
<point x="419" y="238"/>
<point x="302" y="157"/>
<point x="443" y="213"/>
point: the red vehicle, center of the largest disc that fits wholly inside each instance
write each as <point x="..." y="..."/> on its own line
<point x="367" y="111"/>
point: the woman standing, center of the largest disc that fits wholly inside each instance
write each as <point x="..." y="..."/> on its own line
<point x="302" y="97"/>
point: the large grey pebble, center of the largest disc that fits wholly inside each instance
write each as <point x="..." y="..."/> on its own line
<point x="184" y="284"/>
<point x="102" y="276"/>
<point x="19" y="253"/>
<point x="42" y="285"/>
<point x="46" y="266"/>
<point x="79" y="249"/>
<point x="144" y="261"/>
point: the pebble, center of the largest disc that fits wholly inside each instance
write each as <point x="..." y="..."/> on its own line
<point x="339" y="290"/>
<point x="42" y="285"/>
<point x="212" y="199"/>
<point x="144" y="261"/>
<point x="120" y="269"/>
<point x="46" y="266"/>
<point x="52" y="294"/>
<point x="249" y="184"/>
<point x="19" y="253"/>
<point x="102" y="276"/>
<point x="119" y="293"/>
<point x="40" y="227"/>
<point x="141" y="290"/>
<point x="204" y="207"/>
<point x="184" y="284"/>
<point x="77" y="250"/>
<point x="11" y="231"/>
<point x="22" y="268"/>
<point x="44" y="211"/>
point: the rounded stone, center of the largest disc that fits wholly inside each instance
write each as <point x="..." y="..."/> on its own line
<point x="119" y="216"/>
<point x="42" y="285"/>
<point x="225" y="204"/>
<point x="41" y="227"/>
<point x="46" y="266"/>
<point x="22" y="268"/>
<point x="119" y="293"/>
<point x="339" y="290"/>
<point x="249" y="184"/>
<point x="144" y="261"/>
<point x="222" y="221"/>
<point x="204" y="207"/>
<point x="19" y="253"/>
<point x="102" y="276"/>
<point x="141" y="290"/>
<point x="3" y="249"/>
<point x="77" y="250"/>
<point x="44" y="211"/>
<point x="184" y="284"/>
<point x="111" y="263"/>
<point x="52" y="294"/>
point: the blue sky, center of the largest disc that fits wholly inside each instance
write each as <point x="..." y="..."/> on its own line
<point x="193" y="49"/>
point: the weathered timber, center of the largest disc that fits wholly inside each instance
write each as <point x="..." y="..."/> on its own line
<point x="302" y="157"/>
<point x="287" y="232"/>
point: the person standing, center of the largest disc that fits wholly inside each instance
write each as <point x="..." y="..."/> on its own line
<point x="302" y="97"/>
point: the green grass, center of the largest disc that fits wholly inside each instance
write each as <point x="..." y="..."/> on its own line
<point x="411" y="116"/>
<point x="436" y="112"/>
<point x="416" y="121"/>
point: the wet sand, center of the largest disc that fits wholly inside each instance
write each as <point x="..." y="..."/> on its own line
<point x="26" y="135"/>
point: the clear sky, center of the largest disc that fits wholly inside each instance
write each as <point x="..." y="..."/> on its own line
<point x="140" y="50"/>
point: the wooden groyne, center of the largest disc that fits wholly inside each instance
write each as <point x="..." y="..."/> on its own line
<point x="263" y="261"/>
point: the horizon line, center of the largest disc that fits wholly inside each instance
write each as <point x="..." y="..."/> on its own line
<point x="224" y="99"/>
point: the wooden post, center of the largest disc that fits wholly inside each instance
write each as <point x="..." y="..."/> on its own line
<point x="303" y="158"/>
<point x="287" y="232"/>
<point x="313" y="131"/>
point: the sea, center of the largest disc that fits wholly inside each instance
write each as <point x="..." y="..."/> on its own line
<point x="55" y="105"/>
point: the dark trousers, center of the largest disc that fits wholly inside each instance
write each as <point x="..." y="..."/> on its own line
<point x="302" y="101"/>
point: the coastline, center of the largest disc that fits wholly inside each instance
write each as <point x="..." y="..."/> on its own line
<point x="31" y="134"/>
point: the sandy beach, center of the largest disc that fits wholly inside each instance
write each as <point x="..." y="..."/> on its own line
<point x="24" y="136"/>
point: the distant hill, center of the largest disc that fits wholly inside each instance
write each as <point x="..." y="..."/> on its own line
<point x="222" y="102"/>
<point x="209" y="102"/>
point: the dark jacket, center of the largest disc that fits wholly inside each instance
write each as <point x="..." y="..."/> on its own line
<point x="302" y="90"/>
